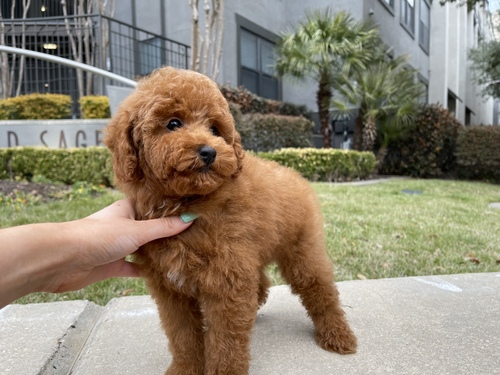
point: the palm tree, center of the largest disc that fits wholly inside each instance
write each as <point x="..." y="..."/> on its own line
<point x="324" y="47"/>
<point x="386" y="94"/>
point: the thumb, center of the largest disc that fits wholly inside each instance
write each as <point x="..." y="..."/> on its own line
<point x="149" y="230"/>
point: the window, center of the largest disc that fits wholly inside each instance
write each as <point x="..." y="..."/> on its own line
<point x="452" y="102"/>
<point x="408" y="15"/>
<point x="468" y="116"/>
<point x="424" y="26"/>
<point x="388" y="3"/>
<point x="150" y="55"/>
<point x="257" y="65"/>
<point x="424" y="99"/>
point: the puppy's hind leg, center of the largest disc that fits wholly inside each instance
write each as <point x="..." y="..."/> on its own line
<point x="309" y="271"/>
<point x="263" y="287"/>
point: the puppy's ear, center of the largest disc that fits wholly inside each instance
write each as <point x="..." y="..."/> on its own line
<point x="238" y="151"/>
<point x="120" y="140"/>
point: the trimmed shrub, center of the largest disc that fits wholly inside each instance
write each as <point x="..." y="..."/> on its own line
<point x="235" y="110"/>
<point x="251" y="103"/>
<point x="93" y="106"/>
<point x="36" y="107"/>
<point x="325" y="164"/>
<point x="478" y="153"/>
<point x="92" y="164"/>
<point x="429" y="148"/>
<point x="270" y="132"/>
<point x="5" y="156"/>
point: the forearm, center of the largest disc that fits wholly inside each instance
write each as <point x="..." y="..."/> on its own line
<point x="57" y="257"/>
<point x="30" y="258"/>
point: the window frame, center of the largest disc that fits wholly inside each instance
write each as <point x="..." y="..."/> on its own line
<point x="402" y="19"/>
<point x="262" y="34"/>
<point x="389" y="6"/>
<point x="425" y="47"/>
<point x="424" y="99"/>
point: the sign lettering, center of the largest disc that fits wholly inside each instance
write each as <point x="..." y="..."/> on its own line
<point x="52" y="133"/>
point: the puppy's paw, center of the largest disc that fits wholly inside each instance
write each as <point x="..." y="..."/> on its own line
<point x="342" y="341"/>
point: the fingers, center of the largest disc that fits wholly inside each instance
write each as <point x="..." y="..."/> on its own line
<point x="149" y="230"/>
<point x="121" y="208"/>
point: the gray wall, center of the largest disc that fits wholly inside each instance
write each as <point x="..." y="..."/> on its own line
<point x="445" y="68"/>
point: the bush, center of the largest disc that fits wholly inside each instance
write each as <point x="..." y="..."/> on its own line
<point x="5" y="156"/>
<point x="94" y="107"/>
<point x="92" y="164"/>
<point x="325" y="164"/>
<point x="429" y="148"/>
<point x="36" y="107"/>
<point x="478" y="153"/>
<point x="270" y="132"/>
<point x="235" y="110"/>
<point x="251" y="103"/>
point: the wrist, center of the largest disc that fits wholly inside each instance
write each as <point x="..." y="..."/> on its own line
<point x="33" y="255"/>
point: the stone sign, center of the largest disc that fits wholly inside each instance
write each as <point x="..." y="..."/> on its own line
<point x="52" y="133"/>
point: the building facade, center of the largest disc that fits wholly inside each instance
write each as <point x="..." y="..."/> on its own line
<point x="437" y="37"/>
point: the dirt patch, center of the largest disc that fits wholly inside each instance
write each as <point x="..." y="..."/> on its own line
<point x="43" y="192"/>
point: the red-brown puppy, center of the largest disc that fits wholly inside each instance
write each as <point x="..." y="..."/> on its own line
<point x="175" y="150"/>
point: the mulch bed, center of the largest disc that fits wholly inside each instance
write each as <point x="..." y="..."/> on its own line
<point x="41" y="191"/>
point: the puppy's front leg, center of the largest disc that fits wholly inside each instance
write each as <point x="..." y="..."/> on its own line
<point x="182" y="320"/>
<point x="229" y="326"/>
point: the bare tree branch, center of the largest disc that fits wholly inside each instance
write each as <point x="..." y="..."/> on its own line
<point x="26" y="6"/>
<point x="206" y="50"/>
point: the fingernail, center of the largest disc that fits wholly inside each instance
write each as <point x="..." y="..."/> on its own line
<point x="188" y="217"/>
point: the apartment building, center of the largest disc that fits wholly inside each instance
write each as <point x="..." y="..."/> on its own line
<point x="437" y="37"/>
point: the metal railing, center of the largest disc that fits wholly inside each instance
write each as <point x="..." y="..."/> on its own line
<point x="94" y="40"/>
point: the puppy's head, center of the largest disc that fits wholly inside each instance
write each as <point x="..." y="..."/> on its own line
<point x="175" y="134"/>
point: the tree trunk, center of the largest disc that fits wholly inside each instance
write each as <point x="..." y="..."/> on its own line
<point x="195" y="36"/>
<point x="206" y="50"/>
<point x="26" y="5"/>
<point x="323" y="100"/>
<point x="5" y="60"/>
<point x="369" y="134"/>
<point x="381" y="154"/>
<point x="357" y="140"/>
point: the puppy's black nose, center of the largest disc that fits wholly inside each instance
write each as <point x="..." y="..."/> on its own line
<point x="207" y="154"/>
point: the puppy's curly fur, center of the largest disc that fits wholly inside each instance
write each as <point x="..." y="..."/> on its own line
<point x="175" y="150"/>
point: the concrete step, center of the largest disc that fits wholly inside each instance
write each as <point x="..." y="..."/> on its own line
<point x="416" y="325"/>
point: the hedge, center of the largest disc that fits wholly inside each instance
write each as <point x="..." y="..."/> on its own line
<point x="261" y="132"/>
<point x="478" y="153"/>
<point x="93" y="106"/>
<point x="325" y="164"/>
<point x="36" y="107"/>
<point x="93" y="164"/>
<point x="428" y="150"/>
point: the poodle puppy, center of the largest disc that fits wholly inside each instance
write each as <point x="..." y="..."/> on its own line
<point x="175" y="150"/>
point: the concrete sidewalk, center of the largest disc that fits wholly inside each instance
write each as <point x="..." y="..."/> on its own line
<point x="415" y="325"/>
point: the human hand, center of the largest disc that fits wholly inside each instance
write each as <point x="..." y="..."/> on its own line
<point x="101" y="241"/>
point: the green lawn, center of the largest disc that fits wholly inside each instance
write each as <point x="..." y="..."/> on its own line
<point x="372" y="231"/>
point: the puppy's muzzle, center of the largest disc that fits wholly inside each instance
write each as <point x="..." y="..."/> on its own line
<point x="207" y="154"/>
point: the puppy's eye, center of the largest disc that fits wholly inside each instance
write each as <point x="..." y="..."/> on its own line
<point x="174" y="124"/>
<point x="215" y="131"/>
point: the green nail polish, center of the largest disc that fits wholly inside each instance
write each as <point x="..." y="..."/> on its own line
<point x="188" y="217"/>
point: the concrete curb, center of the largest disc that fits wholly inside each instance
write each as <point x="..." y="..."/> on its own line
<point x="44" y="338"/>
<point x="415" y="325"/>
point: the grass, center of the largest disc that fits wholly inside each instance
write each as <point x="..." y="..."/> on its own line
<point x="373" y="231"/>
<point x="378" y="231"/>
